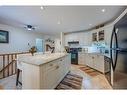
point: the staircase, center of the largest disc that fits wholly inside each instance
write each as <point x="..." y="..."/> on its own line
<point x="8" y="64"/>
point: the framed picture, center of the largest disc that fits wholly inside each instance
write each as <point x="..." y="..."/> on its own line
<point x="4" y="36"/>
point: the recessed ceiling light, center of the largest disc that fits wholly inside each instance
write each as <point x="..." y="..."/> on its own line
<point x="58" y="22"/>
<point x="90" y="24"/>
<point x="103" y="10"/>
<point x="42" y="8"/>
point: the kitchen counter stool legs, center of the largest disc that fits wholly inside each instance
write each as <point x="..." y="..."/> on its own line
<point x="17" y="77"/>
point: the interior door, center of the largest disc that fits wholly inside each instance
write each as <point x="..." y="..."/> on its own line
<point x="40" y="45"/>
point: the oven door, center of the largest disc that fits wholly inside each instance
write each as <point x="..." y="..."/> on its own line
<point x="74" y="58"/>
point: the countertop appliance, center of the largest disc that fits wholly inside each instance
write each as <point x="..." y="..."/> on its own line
<point x="118" y="53"/>
<point x="74" y="55"/>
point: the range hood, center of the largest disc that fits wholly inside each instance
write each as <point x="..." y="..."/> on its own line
<point x="73" y="42"/>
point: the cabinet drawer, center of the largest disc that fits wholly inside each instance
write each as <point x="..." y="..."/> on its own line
<point x="51" y="65"/>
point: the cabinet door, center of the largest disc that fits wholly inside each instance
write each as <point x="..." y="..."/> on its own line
<point x="95" y="62"/>
<point x="85" y="59"/>
<point x="30" y="76"/>
<point x="81" y="58"/>
<point x="58" y="73"/>
<point x="50" y="78"/>
<point x="52" y="74"/>
<point x="99" y="63"/>
<point x="101" y="60"/>
<point x="66" y="64"/>
<point x="89" y="39"/>
<point x="89" y="59"/>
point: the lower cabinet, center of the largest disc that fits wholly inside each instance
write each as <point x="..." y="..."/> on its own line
<point x="95" y="61"/>
<point x="56" y="73"/>
<point x="81" y="58"/>
<point x="50" y="78"/>
<point x="90" y="60"/>
<point x="46" y="76"/>
<point x="98" y="62"/>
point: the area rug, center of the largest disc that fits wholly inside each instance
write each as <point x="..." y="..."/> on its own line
<point x="89" y="71"/>
<point x="71" y="81"/>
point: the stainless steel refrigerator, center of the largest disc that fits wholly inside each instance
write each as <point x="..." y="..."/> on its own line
<point x="118" y="51"/>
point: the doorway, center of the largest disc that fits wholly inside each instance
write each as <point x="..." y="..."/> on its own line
<point x="40" y="45"/>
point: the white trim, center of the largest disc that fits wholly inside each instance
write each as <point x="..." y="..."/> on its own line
<point x="123" y="14"/>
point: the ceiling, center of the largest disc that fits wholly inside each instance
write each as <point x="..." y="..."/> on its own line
<point x="55" y="19"/>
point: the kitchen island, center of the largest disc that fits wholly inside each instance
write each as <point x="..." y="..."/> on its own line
<point x="43" y="71"/>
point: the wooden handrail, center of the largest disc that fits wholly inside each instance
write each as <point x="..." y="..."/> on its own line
<point x="14" y="53"/>
<point x="9" y="63"/>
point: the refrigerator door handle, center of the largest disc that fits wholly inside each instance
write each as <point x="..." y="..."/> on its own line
<point x="113" y="63"/>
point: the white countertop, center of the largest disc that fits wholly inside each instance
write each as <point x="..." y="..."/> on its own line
<point x="96" y="53"/>
<point x="39" y="59"/>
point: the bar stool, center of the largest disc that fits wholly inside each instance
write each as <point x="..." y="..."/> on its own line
<point x="17" y="77"/>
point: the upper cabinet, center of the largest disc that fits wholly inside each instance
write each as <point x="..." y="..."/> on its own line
<point x="87" y="38"/>
<point x="71" y="38"/>
<point x="101" y="35"/>
<point x="98" y="35"/>
<point x="84" y="38"/>
<point x="94" y="36"/>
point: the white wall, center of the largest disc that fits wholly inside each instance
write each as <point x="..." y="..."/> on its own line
<point x="19" y="39"/>
<point x="57" y="45"/>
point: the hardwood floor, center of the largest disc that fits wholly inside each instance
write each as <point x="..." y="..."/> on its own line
<point x="89" y="81"/>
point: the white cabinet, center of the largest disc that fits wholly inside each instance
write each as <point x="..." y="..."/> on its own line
<point x="107" y="33"/>
<point x="95" y="61"/>
<point x="57" y="72"/>
<point x="84" y="38"/>
<point x="89" y="60"/>
<point x="81" y="58"/>
<point x="88" y="38"/>
<point x="99" y="63"/>
<point x="51" y="77"/>
<point x="70" y="38"/>
<point x="81" y="38"/>
<point x="45" y="76"/>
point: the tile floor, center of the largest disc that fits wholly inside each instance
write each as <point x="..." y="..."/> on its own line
<point x="89" y="82"/>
